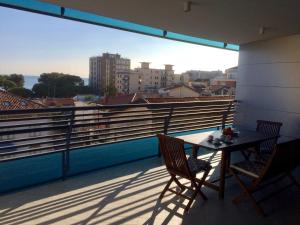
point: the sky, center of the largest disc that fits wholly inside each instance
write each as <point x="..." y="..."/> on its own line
<point x="32" y="44"/>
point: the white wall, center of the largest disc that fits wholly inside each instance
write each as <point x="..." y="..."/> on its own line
<point x="268" y="84"/>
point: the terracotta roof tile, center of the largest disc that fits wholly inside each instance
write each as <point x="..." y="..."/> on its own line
<point x="9" y="101"/>
<point x="118" y="100"/>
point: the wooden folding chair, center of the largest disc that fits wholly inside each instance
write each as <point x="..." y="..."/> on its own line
<point x="280" y="164"/>
<point x="265" y="150"/>
<point x="177" y="164"/>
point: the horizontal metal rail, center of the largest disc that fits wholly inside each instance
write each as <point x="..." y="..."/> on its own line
<point x="25" y="133"/>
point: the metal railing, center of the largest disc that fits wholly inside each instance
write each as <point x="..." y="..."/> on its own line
<point x="27" y="133"/>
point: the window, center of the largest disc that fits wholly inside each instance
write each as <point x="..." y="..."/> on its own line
<point x="6" y="103"/>
<point x="24" y="103"/>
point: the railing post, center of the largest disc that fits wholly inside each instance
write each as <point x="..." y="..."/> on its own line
<point x="166" y="125"/>
<point x="167" y="120"/>
<point x="66" y="152"/>
<point x="225" y="115"/>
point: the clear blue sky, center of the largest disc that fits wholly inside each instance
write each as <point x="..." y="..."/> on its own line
<point x="33" y="44"/>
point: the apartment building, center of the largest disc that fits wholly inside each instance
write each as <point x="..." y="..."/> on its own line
<point x="104" y="69"/>
<point x="122" y="82"/>
<point x="146" y="79"/>
<point x="231" y="73"/>
<point x="95" y="73"/>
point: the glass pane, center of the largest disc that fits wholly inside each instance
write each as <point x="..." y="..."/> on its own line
<point x="192" y="39"/>
<point x="114" y="23"/>
<point x="34" y="5"/>
<point x="106" y="21"/>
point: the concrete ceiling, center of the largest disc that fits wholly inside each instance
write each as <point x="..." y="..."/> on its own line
<point x="230" y="21"/>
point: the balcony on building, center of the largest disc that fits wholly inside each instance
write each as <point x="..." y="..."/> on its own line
<point x="101" y="164"/>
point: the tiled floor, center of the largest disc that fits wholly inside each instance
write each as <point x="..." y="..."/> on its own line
<point x="128" y="194"/>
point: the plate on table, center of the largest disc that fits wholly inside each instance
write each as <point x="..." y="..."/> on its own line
<point x="228" y="142"/>
<point x="217" y="143"/>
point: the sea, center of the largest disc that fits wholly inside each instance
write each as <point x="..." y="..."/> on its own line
<point x="30" y="80"/>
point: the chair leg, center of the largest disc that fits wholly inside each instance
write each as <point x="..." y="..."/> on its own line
<point x="179" y="184"/>
<point x="292" y="178"/>
<point x="201" y="182"/>
<point x="248" y="192"/>
<point x="246" y="156"/>
<point x="238" y="198"/>
<point x="191" y="199"/>
<point x="197" y="189"/>
<point x="166" y="187"/>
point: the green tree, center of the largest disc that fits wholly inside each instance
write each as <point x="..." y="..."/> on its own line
<point x="84" y="90"/>
<point x="18" y="79"/>
<point x="20" y="91"/>
<point x="58" y="85"/>
<point x="40" y="90"/>
<point x="6" y="84"/>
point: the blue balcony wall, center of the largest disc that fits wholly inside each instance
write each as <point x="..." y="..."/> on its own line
<point x="98" y="157"/>
<point x="40" y="169"/>
<point x="29" y="171"/>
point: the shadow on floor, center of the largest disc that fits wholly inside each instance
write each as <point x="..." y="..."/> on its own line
<point x="128" y="194"/>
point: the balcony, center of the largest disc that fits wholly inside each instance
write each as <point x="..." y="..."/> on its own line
<point x="45" y="149"/>
<point x="60" y="142"/>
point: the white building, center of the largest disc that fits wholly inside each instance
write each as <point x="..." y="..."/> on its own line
<point x="146" y="79"/>
<point x="104" y="69"/>
<point x="232" y="73"/>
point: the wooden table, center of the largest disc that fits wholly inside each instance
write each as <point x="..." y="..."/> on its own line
<point x="245" y="139"/>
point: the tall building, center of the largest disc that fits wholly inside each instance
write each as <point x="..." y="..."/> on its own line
<point x="104" y="69"/>
<point x="95" y="73"/>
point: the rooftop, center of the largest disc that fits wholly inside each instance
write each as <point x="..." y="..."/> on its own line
<point x="10" y="101"/>
<point x="119" y="99"/>
<point x="58" y="102"/>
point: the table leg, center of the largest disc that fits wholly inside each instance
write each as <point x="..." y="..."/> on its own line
<point x="195" y="149"/>
<point x="224" y="161"/>
<point x="228" y="161"/>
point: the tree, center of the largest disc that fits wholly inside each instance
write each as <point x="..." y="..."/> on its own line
<point x="18" y="79"/>
<point x="40" y="90"/>
<point x="58" y="85"/>
<point x="20" y="91"/>
<point x="6" y="84"/>
<point x="84" y="90"/>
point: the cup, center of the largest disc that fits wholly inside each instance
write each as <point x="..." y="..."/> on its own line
<point x="210" y="138"/>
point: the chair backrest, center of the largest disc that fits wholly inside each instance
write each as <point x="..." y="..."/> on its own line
<point x="285" y="158"/>
<point x="172" y="150"/>
<point x="268" y="128"/>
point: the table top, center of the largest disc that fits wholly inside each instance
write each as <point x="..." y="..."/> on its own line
<point x="245" y="139"/>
